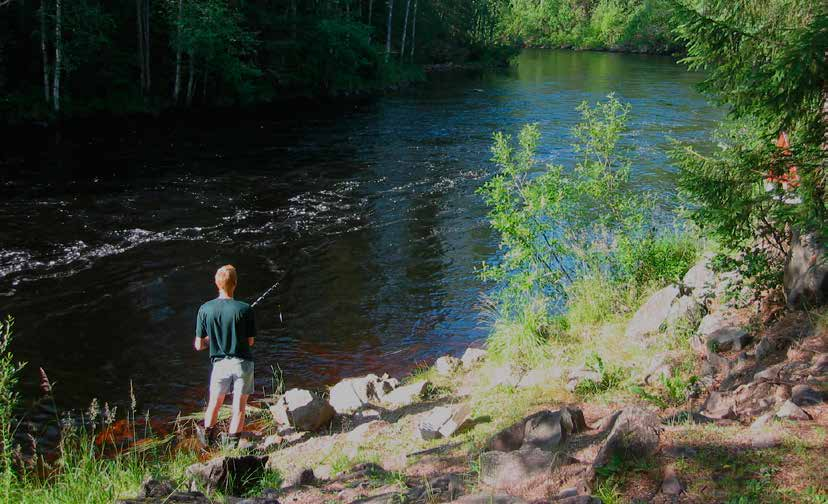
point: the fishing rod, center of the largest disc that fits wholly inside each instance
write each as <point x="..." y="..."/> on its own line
<point x="264" y="295"/>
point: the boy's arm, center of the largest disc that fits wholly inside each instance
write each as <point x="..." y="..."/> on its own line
<point x="201" y="342"/>
<point x="251" y="328"/>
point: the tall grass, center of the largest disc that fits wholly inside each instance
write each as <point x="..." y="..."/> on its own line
<point x="9" y="374"/>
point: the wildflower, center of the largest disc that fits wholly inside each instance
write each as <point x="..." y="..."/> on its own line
<point x="94" y="411"/>
<point x="45" y="384"/>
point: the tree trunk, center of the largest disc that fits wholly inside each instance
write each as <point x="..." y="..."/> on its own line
<point x="139" y="21"/>
<point x="43" y="53"/>
<point x="405" y="29"/>
<point x="388" y="29"/>
<point x="58" y="56"/>
<point x="370" y="11"/>
<point x="413" y="30"/>
<point x="146" y="25"/>
<point x="177" y="88"/>
<point x="293" y="20"/>
<point x="191" y="84"/>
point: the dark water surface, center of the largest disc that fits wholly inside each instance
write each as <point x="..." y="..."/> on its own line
<point x="370" y="217"/>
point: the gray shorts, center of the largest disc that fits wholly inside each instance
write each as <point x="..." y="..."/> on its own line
<point x="232" y="375"/>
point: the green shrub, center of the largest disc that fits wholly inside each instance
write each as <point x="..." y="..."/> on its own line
<point x="611" y="377"/>
<point x="524" y="338"/>
<point x="657" y="260"/>
<point x="595" y="299"/>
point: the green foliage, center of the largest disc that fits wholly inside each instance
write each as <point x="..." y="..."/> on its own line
<point x="611" y="377"/>
<point x="594" y="299"/>
<point x="523" y="337"/>
<point x="657" y="259"/>
<point x="766" y="61"/>
<point x="631" y="25"/>
<point x="675" y="390"/>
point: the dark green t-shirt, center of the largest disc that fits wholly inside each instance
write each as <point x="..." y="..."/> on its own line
<point x="228" y="323"/>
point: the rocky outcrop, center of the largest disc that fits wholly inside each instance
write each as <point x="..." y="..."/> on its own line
<point x="806" y="271"/>
<point x="635" y="434"/>
<point x="700" y="280"/>
<point x="352" y="394"/>
<point x="303" y="410"/>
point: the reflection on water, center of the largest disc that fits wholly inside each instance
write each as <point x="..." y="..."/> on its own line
<point x="368" y="216"/>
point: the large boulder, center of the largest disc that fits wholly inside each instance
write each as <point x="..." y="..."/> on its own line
<point x="443" y="421"/>
<point x="403" y="396"/>
<point x="635" y="434"/>
<point x="722" y="333"/>
<point x="233" y="475"/>
<point x="653" y="314"/>
<point x="806" y="270"/>
<point x="303" y="410"/>
<point x="544" y="430"/>
<point x="685" y="308"/>
<point x="472" y="357"/>
<point x="352" y="394"/>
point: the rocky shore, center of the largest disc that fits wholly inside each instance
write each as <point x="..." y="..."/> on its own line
<point x="472" y="430"/>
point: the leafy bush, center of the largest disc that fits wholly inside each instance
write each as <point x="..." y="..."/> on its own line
<point x="675" y="390"/>
<point x="594" y="299"/>
<point x="524" y="338"/>
<point x="657" y="260"/>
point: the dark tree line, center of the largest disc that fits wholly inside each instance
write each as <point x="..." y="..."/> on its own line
<point x="78" y="56"/>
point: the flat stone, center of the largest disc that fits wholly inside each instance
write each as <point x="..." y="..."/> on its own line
<point x="403" y="396"/>
<point x="791" y="411"/>
<point x="447" y="365"/>
<point x="770" y="373"/>
<point x="762" y="422"/>
<point x="460" y="418"/>
<point x="719" y="406"/>
<point x="472" y="357"/>
<point x="231" y="474"/>
<point x="505" y="375"/>
<point x="764" y="348"/>
<point x="429" y="427"/>
<point x="366" y="431"/>
<point x="650" y="317"/>
<point x="302" y="410"/>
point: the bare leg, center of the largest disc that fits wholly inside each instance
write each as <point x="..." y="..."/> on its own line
<point x="213" y="407"/>
<point x="239" y="405"/>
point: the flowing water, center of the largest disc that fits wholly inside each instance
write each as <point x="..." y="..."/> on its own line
<point x="368" y="217"/>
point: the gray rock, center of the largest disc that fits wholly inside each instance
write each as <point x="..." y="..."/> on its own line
<point x="506" y="375"/>
<point x="764" y="348"/>
<point x="820" y="364"/>
<point x="402" y="396"/>
<point x="505" y="469"/>
<point x="472" y="357"/>
<point x="805" y="395"/>
<point x="299" y="477"/>
<point x="671" y="484"/>
<point x="352" y="394"/>
<point x="155" y="488"/>
<point x="650" y="317"/>
<point x="230" y="474"/>
<point x="447" y="365"/>
<point x="765" y="439"/>
<point x="365" y="416"/>
<point x="728" y="338"/>
<point x="791" y="411"/>
<point x="805" y="276"/>
<point x="579" y="499"/>
<point x="635" y="433"/>
<point x="685" y="308"/>
<point x="365" y="431"/>
<point x="720" y="406"/>
<point x="762" y="422"/>
<point x="700" y="279"/>
<point x="539" y="377"/>
<point x="544" y="430"/>
<point x="303" y="410"/>
<point x="460" y="418"/>
<point x="429" y="427"/>
<point x="769" y="373"/>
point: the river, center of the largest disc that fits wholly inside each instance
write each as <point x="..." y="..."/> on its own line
<point x="367" y="214"/>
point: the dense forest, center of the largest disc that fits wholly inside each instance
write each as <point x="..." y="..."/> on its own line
<point x="87" y="56"/>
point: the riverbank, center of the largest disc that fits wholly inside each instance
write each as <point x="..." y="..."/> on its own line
<point x="693" y="394"/>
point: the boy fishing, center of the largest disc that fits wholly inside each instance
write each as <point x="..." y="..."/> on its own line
<point x="228" y="328"/>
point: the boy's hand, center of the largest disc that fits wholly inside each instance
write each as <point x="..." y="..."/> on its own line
<point x="201" y="343"/>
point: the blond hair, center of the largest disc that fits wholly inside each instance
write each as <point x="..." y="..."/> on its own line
<point x="226" y="277"/>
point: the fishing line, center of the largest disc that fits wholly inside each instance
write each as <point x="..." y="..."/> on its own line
<point x="264" y="295"/>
